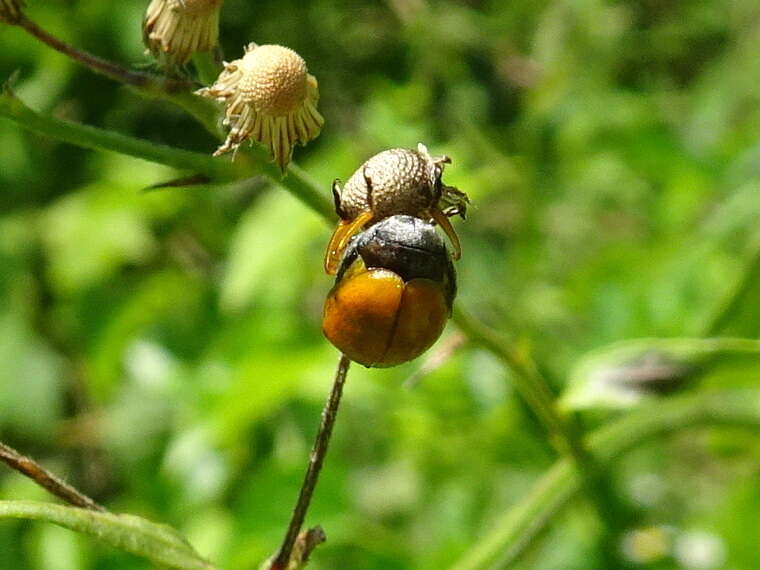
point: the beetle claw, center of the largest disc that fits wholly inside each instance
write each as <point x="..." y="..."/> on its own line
<point x="442" y="220"/>
<point x="339" y="240"/>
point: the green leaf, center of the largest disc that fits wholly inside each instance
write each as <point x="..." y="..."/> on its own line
<point x="158" y="543"/>
<point x="508" y="536"/>
<point x="270" y="244"/>
<point x="623" y="374"/>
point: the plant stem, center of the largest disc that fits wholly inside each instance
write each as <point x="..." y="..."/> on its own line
<point x="563" y="432"/>
<point x="513" y="532"/>
<point x="174" y="89"/>
<point x="86" y="136"/>
<point x="248" y="164"/>
<point x="44" y="478"/>
<point x="317" y="457"/>
<point x="530" y="384"/>
<point x="731" y="305"/>
<point x="145" y="81"/>
<point x="206" y="66"/>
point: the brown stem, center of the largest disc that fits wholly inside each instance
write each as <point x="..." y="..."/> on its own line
<point x="146" y="81"/>
<point x="44" y="478"/>
<point x="317" y="457"/>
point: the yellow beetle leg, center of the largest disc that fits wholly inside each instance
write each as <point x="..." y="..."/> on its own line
<point x="339" y="240"/>
<point x="445" y="224"/>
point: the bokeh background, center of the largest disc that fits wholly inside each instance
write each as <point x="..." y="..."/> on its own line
<point x="162" y="349"/>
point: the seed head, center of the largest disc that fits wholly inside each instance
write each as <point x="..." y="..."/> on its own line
<point x="173" y="30"/>
<point x="399" y="181"/>
<point x="270" y="97"/>
<point x="10" y="10"/>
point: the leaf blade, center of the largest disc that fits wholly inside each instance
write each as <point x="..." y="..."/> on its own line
<point x="158" y="543"/>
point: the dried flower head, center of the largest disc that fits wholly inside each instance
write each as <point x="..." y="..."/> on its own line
<point x="173" y="30"/>
<point x="397" y="181"/>
<point x="270" y="97"/>
<point x="10" y="10"/>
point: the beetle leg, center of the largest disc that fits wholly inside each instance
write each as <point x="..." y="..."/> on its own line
<point x="343" y="233"/>
<point x="443" y="221"/>
<point x="336" y="192"/>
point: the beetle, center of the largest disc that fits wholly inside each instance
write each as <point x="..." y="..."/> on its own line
<point x="393" y="293"/>
<point x="393" y="182"/>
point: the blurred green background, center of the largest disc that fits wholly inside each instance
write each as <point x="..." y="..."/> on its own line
<point x="162" y="350"/>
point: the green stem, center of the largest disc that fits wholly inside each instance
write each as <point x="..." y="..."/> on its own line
<point x="511" y="534"/>
<point x="304" y="187"/>
<point x="246" y="165"/>
<point x="732" y="304"/>
<point x="86" y="136"/>
<point x="144" y="81"/>
<point x="206" y="66"/>
<point x="173" y="89"/>
<point x="528" y="381"/>
<point x="563" y="431"/>
<point x="202" y="110"/>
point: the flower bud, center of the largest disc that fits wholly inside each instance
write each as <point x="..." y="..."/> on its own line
<point x="269" y="97"/>
<point x="173" y="30"/>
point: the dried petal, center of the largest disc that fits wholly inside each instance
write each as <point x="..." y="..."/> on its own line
<point x="173" y="30"/>
<point x="269" y="97"/>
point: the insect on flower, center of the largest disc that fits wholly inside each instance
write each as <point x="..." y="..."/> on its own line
<point x="396" y="181"/>
<point x="393" y="293"/>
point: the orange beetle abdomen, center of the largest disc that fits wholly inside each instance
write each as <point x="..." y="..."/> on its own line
<point x="377" y="320"/>
<point x="421" y="317"/>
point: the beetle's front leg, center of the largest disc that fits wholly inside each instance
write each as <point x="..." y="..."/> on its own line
<point x="343" y="233"/>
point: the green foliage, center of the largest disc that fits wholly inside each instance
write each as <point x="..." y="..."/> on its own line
<point x="158" y="543"/>
<point x="161" y="349"/>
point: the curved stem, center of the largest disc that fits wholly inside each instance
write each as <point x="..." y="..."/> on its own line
<point x="248" y="164"/>
<point x="207" y="66"/>
<point x="90" y="137"/>
<point x="511" y="534"/>
<point x="529" y="382"/>
<point x="731" y="305"/>
<point x="282" y="559"/>
<point x="562" y="430"/>
<point x="45" y="479"/>
<point x="145" y="81"/>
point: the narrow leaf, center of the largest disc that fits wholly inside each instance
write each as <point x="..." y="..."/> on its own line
<point x="623" y="374"/>
<point x="158" y="543"/>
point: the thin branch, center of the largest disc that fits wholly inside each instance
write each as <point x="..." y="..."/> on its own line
<point x="90" y="137"/>
<point x="44" y="478"/>
<point x="281" y="560"/>
<point x="177" y="90"/>
<point x="145" y="81"/>
<point x="249" y="163"/>
<point x="508" y="537"/>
